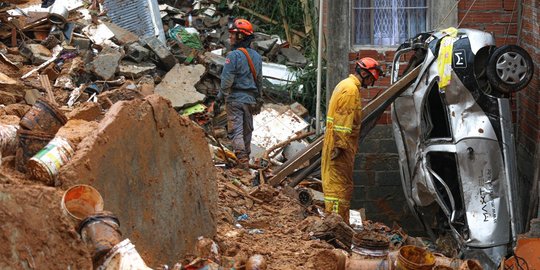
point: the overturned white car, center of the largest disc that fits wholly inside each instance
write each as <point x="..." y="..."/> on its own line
<point x="453" y="129"/>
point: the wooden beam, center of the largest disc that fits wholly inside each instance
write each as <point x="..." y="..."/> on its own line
<point x="373" y="108"/>
<point x="284" y="19"/>
<point x="46" y="84"/>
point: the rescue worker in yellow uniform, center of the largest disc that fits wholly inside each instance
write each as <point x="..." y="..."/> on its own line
<point x="343" y="123"/>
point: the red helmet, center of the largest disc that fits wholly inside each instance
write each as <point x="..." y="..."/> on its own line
<point x="371" y="65"/>
<point x="243" y="26"/>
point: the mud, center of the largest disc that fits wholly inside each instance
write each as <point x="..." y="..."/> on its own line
<point x="34" y="232"/>
<point x="154" y="171"/>
<point x="275" y="234"/>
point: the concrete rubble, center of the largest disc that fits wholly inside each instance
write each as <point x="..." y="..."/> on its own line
<point x="133" y="102"/>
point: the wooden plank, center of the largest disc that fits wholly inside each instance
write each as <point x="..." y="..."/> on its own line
<point x="48" y="88"/>
<point x="284" y="19"/>
<point x="374" y="106"/>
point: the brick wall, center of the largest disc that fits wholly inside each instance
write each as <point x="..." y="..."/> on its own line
<point x="377" y="180"/>
<point x="528" y="109"/>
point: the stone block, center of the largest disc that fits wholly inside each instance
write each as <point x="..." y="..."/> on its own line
<point x="161" y="51"/>
<point x="82" y="44"/>
<point x="106" y="63"/>
<point x="137" y="52"/>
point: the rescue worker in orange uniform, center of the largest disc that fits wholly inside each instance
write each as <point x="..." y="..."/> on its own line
<point x="343" y="123"/>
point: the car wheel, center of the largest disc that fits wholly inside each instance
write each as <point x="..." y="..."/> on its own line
<point x="510" y="69"/>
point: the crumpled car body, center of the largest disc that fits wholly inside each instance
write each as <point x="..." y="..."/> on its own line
<point x="455" y="143"/>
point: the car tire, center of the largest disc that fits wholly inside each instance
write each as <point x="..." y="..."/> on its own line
<point x="510" y="69"/>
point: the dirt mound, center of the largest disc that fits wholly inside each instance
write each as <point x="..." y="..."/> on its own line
<point x="34" y="232"/>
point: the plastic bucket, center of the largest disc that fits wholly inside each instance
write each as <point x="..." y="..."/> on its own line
<point x="81" y="201"/>
<point x="46" y="163"/>
<point x="30" y="142"/>
<point x="414" y="258"/>
<point x="43" y="117"/>
<point x="8" y="139"/>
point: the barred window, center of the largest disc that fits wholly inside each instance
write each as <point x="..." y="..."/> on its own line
<point x="388" y="22"/>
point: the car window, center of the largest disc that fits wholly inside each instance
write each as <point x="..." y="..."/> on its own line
<point x="434" y="116"/>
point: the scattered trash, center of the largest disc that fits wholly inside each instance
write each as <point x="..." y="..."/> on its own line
<point x="45" y="164"/>
<point x="255" y="231"/>
<point x="242" y="217"/>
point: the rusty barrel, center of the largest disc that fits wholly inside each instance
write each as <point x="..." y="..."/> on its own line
<point x="43" y="117"/>
<point x="45" y="164"/>
<point x="414" y="258"/>
<point x="30" y="142"/>
<point x="101" y="232"/>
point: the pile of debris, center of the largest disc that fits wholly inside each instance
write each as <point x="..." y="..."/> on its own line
<point x="78" y="85"/>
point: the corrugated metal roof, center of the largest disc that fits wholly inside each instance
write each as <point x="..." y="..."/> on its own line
<point x="138" y="16"/>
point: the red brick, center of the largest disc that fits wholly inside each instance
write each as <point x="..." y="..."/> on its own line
<point x="480" y="5"/>
<point x="474" y="18"/>
<point x="371" y="53"/>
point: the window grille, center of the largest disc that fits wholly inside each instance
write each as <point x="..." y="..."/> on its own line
<point x="388" y="22"/>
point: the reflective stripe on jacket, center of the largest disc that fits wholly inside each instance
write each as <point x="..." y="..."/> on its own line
<point x="342" y="130"/>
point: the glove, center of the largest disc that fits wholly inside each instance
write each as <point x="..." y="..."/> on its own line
<point x="335" y="153"/>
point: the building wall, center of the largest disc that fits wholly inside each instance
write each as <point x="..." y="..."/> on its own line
<point x="528" y="109"/>
<point x="377" y="179"/>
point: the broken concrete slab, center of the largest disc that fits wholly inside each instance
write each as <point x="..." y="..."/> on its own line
<point x="135" y="70"/>
<point x="179" y="85"/>
<point x="105" y="63"/>
<point x="293" y="57"/>
<point x="121" y="35"/>
<point x="161" y="51"/>
<point x="36" y="53"/>
<point x="151" y="177"/>
<point x="266" y="45"/>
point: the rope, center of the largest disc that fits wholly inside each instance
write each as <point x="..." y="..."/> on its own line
<point x="448" y="14"/>
<point x="466" y="13"/>
<point x="511" y="19"/>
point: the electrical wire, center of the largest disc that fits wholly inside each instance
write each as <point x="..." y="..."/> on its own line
<point x="511" y="19"/>
<point x="448" y="14"/>
<point x="466" y="13"/>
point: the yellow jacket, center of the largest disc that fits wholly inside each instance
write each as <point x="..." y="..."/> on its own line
<point x="342" y="130"/>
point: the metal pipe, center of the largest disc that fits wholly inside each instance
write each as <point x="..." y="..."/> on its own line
<point x="319" y="70"/>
